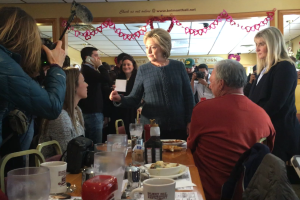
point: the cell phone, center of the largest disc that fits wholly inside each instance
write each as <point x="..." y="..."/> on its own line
<point x="295" y="160"/>
<point x="89" y="59"/>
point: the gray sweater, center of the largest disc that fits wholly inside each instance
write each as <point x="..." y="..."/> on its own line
<point x="167" y="93"/>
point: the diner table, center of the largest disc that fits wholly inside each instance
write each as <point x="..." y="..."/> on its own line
<point x="183" y="157"/>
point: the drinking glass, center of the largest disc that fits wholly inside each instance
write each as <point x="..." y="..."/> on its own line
<point x="136" y="131"/>
<point x="113" y="164"/>
<point x="99" y="147"/>
<point x="28" y="183"/>
<point x="117" y="142"/>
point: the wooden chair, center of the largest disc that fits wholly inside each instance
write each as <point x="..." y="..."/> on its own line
<point x="6" y="158"/>
<point x="57" y="149"/>
<point x="120" y="129"/>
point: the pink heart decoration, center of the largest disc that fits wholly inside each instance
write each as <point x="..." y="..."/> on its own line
<point x="118" y="31"/>
<point x="248" y="28"/>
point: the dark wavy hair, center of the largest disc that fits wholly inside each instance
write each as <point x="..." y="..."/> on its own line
<point x="130" y="58"/>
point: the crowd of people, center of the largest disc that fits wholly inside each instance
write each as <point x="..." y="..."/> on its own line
<point x="233" y="112"/>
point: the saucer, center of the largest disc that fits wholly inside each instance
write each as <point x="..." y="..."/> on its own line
<point x="172" y="176"/>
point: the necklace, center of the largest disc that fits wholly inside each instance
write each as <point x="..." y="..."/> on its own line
<point x="161" y="65"/>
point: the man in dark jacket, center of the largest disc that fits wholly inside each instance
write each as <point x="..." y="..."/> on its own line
<point x="251" y="78"/>
<point x="92" y="107"/>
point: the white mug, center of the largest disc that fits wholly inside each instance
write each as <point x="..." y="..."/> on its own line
<point x="156" y="188"/>
<point x="58" y="172"/>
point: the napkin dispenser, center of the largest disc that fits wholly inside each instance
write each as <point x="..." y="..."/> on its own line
<point x="99" y="187"/>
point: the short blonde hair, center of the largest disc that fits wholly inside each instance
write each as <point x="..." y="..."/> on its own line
<point x="162" y="38"/>
<point x="277" y="51"/>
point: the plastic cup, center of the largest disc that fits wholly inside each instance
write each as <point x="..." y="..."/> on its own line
<point x="113" y="164"/>
<point x="28" y="183"/>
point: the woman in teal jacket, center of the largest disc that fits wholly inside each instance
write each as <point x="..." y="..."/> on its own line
<point x="20" y="53"/>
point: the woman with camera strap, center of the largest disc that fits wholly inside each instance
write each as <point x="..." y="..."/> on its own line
<point x="20" y="55"/>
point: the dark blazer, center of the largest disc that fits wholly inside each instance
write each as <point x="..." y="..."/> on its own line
<point x="95" y="79"/>
<point x="275" y="93"/>
<point x="128" y="114"/>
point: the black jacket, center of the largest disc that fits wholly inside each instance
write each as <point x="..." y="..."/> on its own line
<point x="94" y="78"/>
<point x="275" y="93"/>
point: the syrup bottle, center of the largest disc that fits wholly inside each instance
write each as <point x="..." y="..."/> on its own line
<point x="153" y="147"/>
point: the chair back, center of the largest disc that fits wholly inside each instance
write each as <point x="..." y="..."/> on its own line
<point x="6" y="158"/>
<point x="120" y="129"/>
<point x="57" y="149"/>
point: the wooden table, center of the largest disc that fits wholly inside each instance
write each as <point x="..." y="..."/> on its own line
<point x="184" y="157"/>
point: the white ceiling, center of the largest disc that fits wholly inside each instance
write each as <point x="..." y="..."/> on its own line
<point x="224" y="39"/>
<point x="292" y="29"/>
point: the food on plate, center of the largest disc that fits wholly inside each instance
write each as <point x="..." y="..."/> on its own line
<point x="171" y="148"/>
<point x="171" y="141"/>
<point x="161" y="164"/>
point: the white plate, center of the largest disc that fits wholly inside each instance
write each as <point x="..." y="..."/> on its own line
<point x="176" y="143"/>
<point x="172" y="176"/>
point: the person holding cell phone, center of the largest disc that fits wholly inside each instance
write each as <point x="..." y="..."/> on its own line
<point x="95" y="76"/>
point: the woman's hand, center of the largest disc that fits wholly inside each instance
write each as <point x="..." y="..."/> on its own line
<point x="57" y="55"/>
<point x="139" y="110"/>
<point x="114" y="96"/>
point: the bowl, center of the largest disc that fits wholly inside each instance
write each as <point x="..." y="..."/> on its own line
<point x="164" y="171"/>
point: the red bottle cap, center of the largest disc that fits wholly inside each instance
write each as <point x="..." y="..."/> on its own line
<point x="99" y="187"/>
<point x="202" y="99"/>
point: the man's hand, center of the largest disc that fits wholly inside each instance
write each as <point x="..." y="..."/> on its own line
<point x="105" y="122"/>
<point x="252" y="78"/>
<point x="97" y="62"/>
<point x="194" y="77"/>
<point x="114" y="96"/>
<point x="202" y="81"/>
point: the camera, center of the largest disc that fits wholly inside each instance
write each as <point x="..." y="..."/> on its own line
<point x="200" y="74"/>
<point x="51" y="46"/>
<point x="79" y="154"/>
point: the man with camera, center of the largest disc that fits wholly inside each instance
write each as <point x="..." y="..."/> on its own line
<point x="95" y="76"/>
<point x="189" y="67"/>
<point x="251" y="78"/>
<point x="200" y="83"/>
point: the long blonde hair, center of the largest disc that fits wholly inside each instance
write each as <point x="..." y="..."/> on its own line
<point x="72" y="75"/>
<point x="20" y="34"/>
<point x="277" y="51"/>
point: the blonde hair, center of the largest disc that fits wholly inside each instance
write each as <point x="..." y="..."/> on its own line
<point x="20" y="34"/>
<point x="276" y="49"/>
<point x="162" y="38"/>
<point x="72" y="75"/>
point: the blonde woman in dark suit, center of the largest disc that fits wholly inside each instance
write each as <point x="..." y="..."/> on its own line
<point x="274" y="90"/>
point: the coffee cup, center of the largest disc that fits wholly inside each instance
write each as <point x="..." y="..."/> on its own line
<point x="156" y="188"/>
<point x="58" y="172"/>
